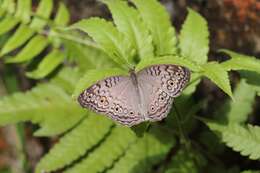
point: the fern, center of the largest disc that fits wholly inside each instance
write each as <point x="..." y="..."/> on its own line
<point x="128" y="21"/>
<point x="109" y="39"/>
<point x="163" y="35"/>
<point x="140" y="157"/>
<point x="135" y="40"/>
<point x="183" y="162"/>
<point x="216" y="73"/>
<point x="29" y="39"/>
<point x="47" y="105"/>
<point x="232" y="131"/>
<point x="103" y="157"/>
<point x="87" y="57"/>
<point x="194" y="41"/>
<point x="75" y="144"/>
<point x="241" y="62"/>
<point x="242" y="139"/>
<point x="241" y="106"/>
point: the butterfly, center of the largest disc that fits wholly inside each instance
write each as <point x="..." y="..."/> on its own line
<point x="143" y="96"/>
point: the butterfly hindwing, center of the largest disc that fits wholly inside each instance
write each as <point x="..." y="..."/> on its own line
<point x="159" y="85"/>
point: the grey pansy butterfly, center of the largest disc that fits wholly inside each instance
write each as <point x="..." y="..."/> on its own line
<point x="143" y="96"/>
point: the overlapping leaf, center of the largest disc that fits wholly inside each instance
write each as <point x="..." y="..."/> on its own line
<point x="128" y="21"/>
<point x="76" y="143"/>
<point x="158" y="22"/>
<point x="194" y="38"/>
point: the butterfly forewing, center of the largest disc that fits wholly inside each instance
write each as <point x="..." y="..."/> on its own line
<point x="115" y="97"/>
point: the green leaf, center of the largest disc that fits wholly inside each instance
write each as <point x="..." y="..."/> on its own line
<point x="87" y="57"/>
<point x="251" y="171"/>
<point x="46" y="105"/>
<point x="194" y="38"/>
<point x="44" y="10"/>
<point x="253" y="79"/>
<point x="240" y="62"/>
<point x="35" y="46"/>
<point x="194" y="81"/>
<point x="217" y="74"/>
<point x="108" y="38"/>
<point x="23" y="10"/>
<point x="47" y="65"/>
<point x="241" y="139"/>
<point x="242" y="104"/>
<point x="168" y="60"/>
<point x="9" y="6"/>
<point x="92" y="76"/>
<point x="140" y="158"/>
<point x="76" y="143"/>
<point x="103" y="157"/>
<point x="244" y="140"/>
<point x="183" y="162"/>
<point x="66" y="79"/>
<point x="7" y="23"/>
<point x="22" y="34"/>
<point x="62" y="17"/>
<point x="158" y="21"/>
<point x="128" y="21"/>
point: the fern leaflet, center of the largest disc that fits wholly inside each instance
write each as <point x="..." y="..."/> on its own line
<point x="146" y="152"/>
<point x="158" y="22"/>
<point x="103" y="157"/>
<point x="76" y="143"/>
<point x="109" y="39"/>
<point x="194" y="41"/>
<point x="241" y="62"/>
<point x="217" y="74"/>
<point x="129" y="22"/>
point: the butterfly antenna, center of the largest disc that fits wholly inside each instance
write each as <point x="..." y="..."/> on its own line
<point x="183" y="137"/>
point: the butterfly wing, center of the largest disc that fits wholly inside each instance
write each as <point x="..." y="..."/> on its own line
<point x="159" y="85"/>
<point x="115" y="97"/>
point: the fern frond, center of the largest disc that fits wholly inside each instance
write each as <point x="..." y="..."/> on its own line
<point x="23" y="10"/>
<point x="87" y="57"/>
<point x="76" y="143"/>
<point x="44" y="11"/>
<point x="48" y="64"/>
<point x="183" y="162"/>
<point x="158" y="21"/>
<point x="36" y="45"/>
<point x="30" y="37"/>
<point x="128" y="21"/>
<point x="242" y="104"/>
<point x="103" y="157"/>
<point x="245" y="140"/>
<point x="146" y="152"/>
<point x="194" y="38"/>
<point x="241" y="62"/>
<point x="66" y="79"/>
<point x="46" y="105"/>
<point x="7" y="6"/>
<point x="110" y="40"/>
<point x="217" y="74"/>
<point x="24" y="32"/>
<point x="177" y="60"/>
<point x="253" y="79"/>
